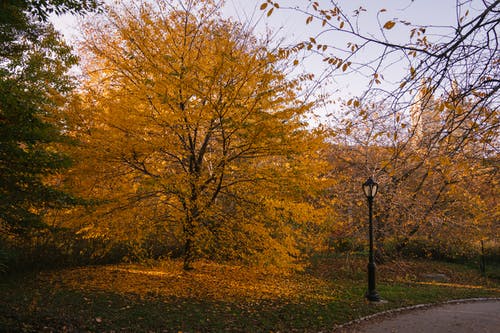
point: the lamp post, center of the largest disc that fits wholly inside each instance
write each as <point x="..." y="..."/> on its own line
<point x="370" y="188"/>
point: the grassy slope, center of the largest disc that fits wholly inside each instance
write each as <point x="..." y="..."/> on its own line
<point x="219" y="297"/>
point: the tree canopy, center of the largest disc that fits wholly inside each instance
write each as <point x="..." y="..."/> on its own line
<point x="191" y="136"/>
<point x="191" y="117"/>
<point x="457" y="63"/>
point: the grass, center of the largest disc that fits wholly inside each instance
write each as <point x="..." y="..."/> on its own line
<point x="215" y="297"/>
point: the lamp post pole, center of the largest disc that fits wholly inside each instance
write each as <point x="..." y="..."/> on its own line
<point x="370" y="188"/>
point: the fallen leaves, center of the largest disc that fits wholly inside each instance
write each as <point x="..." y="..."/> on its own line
<point x="208" y="281"/>
<point x="216" y="297"/>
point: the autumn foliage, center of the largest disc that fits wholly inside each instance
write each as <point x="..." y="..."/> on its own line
<point x="191" y="131"/>
<point x="191" y="136"/>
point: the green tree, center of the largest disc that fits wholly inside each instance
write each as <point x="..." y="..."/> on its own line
<point x="34" y="83"/>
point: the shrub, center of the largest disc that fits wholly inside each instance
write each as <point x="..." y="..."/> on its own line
<point x="454" y="250"/>
<point x="346" y="245"/>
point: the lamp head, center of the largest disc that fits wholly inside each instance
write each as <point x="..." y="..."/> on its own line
<point x="370" y="188"/>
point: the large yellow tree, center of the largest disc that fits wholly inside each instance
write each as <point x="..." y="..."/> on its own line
<point x="187" y="120"/>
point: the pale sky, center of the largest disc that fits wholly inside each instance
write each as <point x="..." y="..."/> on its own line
<point x="438" y="13"/>
<point x="290" y="25"/>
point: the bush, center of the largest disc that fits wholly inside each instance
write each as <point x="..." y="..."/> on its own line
<point x="437" y="249"/>
<point x="57" y="248"/>
<point x="48" y="249"/>
<point x="3" y="260"/>
<point x="8" y="255"/>
<point x="346" y="245"/>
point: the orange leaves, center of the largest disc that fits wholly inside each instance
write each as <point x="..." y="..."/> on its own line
<point x="354" y="102"/>
<point x="352" y="46"/>
<point x="389" y="25"/>
<point x="413" y="72"/>
<point x="209" y="281"/>
<point x="184" y="120"/>
<point x="338" y="62"/>
<point x="269" y="3"/>
<point x="418" y="31"/>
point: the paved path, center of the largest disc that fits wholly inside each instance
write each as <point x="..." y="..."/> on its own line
<point x="481" y="316"/>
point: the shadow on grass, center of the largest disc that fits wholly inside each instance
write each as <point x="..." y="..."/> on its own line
<point x="215" y="297"/>
<point x="75" y="311"/>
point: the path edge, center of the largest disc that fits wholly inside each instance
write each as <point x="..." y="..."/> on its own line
<point x="413" y="307"/>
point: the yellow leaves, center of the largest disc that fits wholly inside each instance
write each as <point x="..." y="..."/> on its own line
<point x="266" y="4"/>
<point x="413" y="72"/>
<point x="224" y="120"/>
<point x="321" y="47"/>
<point x="389" y="25"/>
<point x="339" y="63"/>
<point x="417" y="31"/>
<point x="212" y="282"/>
<point x="449" y="105"/>
<point x="354" y="102"/>
<point x="462" y="18"/>
<point x="352" y="46"/>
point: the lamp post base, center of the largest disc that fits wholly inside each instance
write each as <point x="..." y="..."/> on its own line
<point x="373" y="296"/>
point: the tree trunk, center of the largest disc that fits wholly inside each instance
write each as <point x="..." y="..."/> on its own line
<point x="190" y="237"/>
<point x="189" y="255"/>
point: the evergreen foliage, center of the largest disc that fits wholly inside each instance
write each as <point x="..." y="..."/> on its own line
<point x="34" y="81"/>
